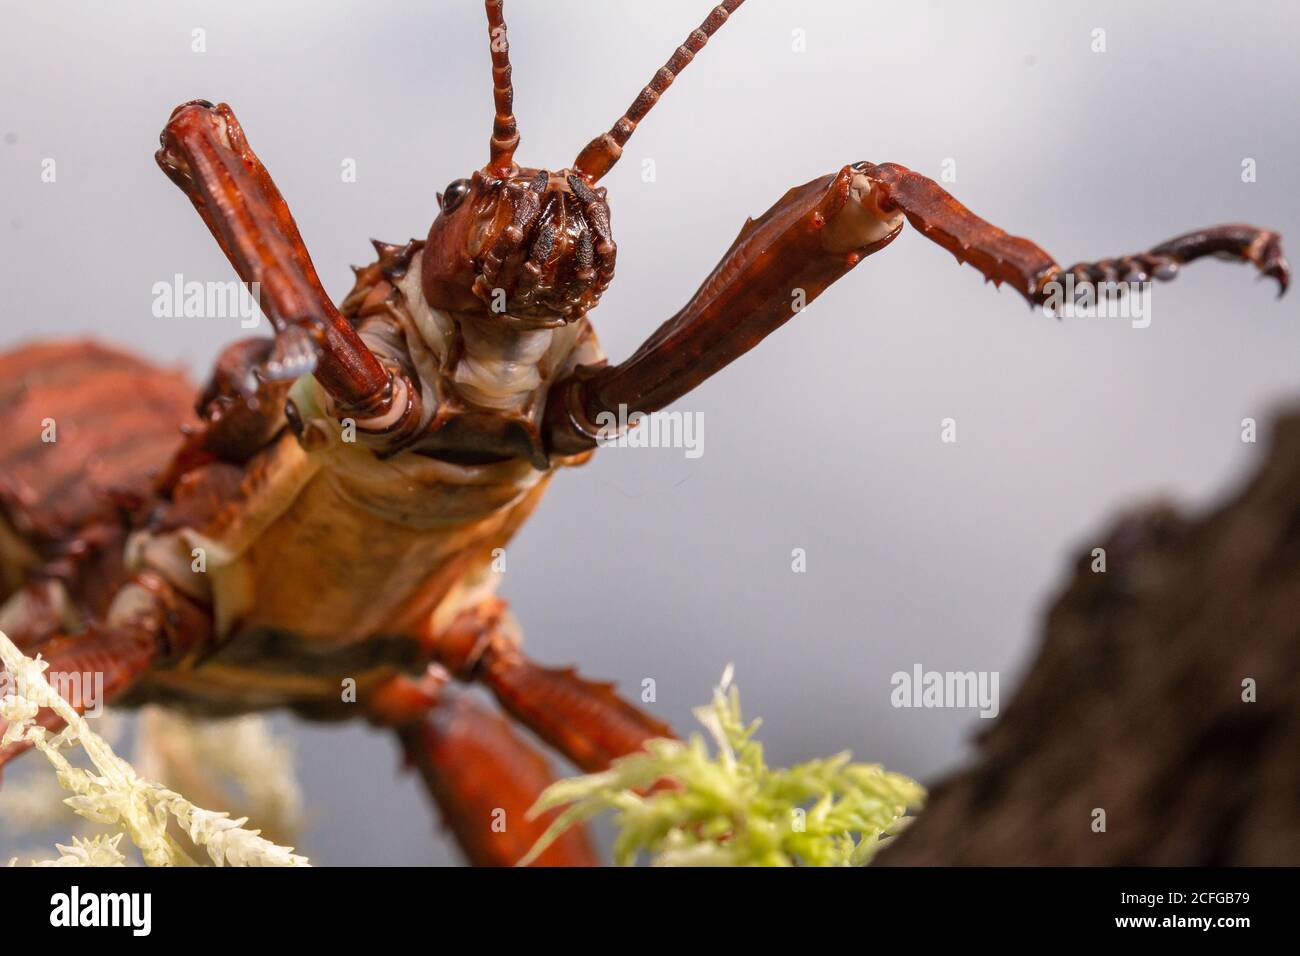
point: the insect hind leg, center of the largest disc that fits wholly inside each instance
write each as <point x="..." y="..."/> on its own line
<point x="483" y="776"/>
<point x="586" y="721"/>
<point x="150" y="624"/>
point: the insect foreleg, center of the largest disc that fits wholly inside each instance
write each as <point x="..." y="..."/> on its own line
<point x="815" y="234"/>
<point x="205" y="153"/>
<point x="1031" y="271"/>
<point x="778" y="264"/>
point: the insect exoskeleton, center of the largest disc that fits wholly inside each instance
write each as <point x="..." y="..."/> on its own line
<point x="530" y="247"/>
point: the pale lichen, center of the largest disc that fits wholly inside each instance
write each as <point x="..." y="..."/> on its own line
<point x="112" y="793"/>
<point x="99" y="850"/>
<point x="234" y="762"/>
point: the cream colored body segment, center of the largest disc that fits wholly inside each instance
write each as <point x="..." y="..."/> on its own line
<point x="335" y="545"/>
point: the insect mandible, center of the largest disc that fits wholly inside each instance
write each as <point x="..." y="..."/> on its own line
<point x="320" y="536"/>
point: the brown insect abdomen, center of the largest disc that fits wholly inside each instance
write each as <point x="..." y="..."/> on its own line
<point x="81" y="424"/>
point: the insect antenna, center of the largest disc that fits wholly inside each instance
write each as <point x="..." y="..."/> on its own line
<point x="505" y="131"/>
<point x="603" y="152"/>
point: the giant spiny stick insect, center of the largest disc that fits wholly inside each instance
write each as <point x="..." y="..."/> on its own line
<point x="349" y="479"/>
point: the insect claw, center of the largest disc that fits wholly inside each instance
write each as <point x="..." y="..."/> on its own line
<point x="1282" y="277"/>
<point x="1278" y="269"/>
<point x="293" y="356"/>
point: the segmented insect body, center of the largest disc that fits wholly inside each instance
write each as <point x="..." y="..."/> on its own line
<point x="324" y="534"/>
<point x="316" y="530"/>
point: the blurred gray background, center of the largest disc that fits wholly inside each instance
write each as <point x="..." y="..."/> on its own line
<point x="644" y="563"/>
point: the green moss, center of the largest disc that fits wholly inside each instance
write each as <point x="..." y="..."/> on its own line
<point x="677" y="804"/>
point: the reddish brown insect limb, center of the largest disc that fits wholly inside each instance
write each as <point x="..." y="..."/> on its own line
<point x="1237" y="242"/>
<point x="505" y="131"/>
<point x="1030" y="270"/>
<point x="600" y="155"/>
<point x="239" y="412"/>
<point x="779" y="263"/>
<point x="944" y="220"/>
<point x="1260" y="247"/>
<point x="205" y="153"/>
<point x="108" y="659"/>
<point x="586" y="721"/>
<point x="483" y="776"/>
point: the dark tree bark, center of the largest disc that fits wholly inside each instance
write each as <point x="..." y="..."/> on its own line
<point x="1135" y="703"/>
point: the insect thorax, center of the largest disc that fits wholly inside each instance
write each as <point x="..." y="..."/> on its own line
<point x="483" y="380"/>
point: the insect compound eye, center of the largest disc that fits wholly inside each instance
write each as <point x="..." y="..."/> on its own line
<point x="455" y="195"/>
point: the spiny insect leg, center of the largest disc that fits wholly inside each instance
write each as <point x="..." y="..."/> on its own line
<point x="586" y="721"/>
<point x="778" y="264"/>
<point x="1031" y="271"/>
<point x="156" y="625"/>
<point x="483" y="776"/>
<point x="205" y="153"/>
